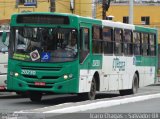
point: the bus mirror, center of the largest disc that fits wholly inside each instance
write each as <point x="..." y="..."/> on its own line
<point x="4" y="37"/>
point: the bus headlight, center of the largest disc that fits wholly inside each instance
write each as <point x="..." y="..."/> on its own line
<point x="16" y="74"/>
<point x="65" y="77"/>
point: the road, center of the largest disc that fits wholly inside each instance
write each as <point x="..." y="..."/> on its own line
<point x="147" y="106"/>
<point x="149" y="109"/>
<point x="13" y="103"/>
<point x="10" y="103"/>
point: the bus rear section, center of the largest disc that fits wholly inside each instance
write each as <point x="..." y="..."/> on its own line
<point x="3" y="63"/>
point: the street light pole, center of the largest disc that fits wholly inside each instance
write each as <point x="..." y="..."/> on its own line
<point x="130" y="11"/>
<point x="93" y="8"/>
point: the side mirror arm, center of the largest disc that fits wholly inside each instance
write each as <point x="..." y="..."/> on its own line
<point x="4" y="37"/>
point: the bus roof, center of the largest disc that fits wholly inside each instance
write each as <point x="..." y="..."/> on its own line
<point x="117" y="24"/>
<point x="107" y="23"/>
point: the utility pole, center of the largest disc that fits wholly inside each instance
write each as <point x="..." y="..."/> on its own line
<point x="105" y="7"/>
<point x="72" y="5"/>
<point x="130" y="11"/>
<point x="94" y="8"/>
<point x="52" y="6"/>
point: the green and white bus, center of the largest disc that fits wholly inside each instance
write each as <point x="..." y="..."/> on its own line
<point x="106" y="55"/>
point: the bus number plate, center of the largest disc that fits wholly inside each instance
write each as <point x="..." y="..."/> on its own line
<point x="39" y="83"/>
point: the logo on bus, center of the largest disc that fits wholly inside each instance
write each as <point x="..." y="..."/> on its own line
<point x="96" y="63"/>
<point x="118" y="65"/>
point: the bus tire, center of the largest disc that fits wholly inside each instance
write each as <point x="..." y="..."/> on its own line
<point x="35" y="96"/>
<point x="135" y="85"/>
<point x="89" y="95"/>
<point x="134" y="88"/>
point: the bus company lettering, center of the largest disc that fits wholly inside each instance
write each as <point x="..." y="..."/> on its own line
<point x="118" y="65"/>
<point x="96" y="63"/>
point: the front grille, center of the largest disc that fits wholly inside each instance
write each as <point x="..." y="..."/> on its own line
<point x="32" y="83"/>
<point x="41" y="68"/>
<point x="33" y="86"/>
<point x="30" y="76"/>
<point x="43" y="77"/>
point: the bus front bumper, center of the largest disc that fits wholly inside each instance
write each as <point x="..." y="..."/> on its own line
<point x="66" y="86"/>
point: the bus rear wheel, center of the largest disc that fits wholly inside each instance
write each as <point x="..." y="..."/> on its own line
<point x="134" y="88"/>
<point x="92" y="94"/>
<point x="35" y="96"/>
<point x="135" y="85"/>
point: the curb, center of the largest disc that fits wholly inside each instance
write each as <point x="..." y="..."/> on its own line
<point x="103" y="104"/>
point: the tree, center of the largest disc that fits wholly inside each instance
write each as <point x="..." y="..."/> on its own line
<point x="105" y="7"/>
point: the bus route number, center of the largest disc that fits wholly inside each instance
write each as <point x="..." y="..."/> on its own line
<point x="28" y="72"/>
<point x="96" y="63"/>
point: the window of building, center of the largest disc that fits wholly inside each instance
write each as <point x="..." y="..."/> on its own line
<point x="26" y="2"/>
<point x="108" y="40"/>
<point x="97" y="41"/>
<point x="145" y="20"/>
<point x="127" y="43"/>
<point x="109" y="18"/>
<point x="21" y="2"/>
<point x="99" y="1"/>
<point x="137" y="43"/>
<point x="145" y="48"/>
<point x="126" y="19"/>
<point x="152" y="44"/>
<point x="118" y="35"/>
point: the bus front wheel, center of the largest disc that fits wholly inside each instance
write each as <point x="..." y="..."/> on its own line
<point x="90" y="95"/>
<point x="35" y="96"/>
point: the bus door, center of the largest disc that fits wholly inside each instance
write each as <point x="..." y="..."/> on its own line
<point x="84" y="60"/>
<point x="117" y="61"/>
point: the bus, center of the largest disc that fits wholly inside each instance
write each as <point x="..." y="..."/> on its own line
<point x="3" y="62"/>
<point x="107" y="55"/>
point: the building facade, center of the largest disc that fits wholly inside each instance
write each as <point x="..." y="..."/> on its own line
<point x="9" y="7"/>
<point x="87" y="8"/>
<point x="146" y="14"/>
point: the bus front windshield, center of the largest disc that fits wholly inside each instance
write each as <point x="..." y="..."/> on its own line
<point x="43" y="44"/>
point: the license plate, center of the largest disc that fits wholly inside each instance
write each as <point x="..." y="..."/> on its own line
<point x="39" y="83"/>
<point x="2" y="88"/>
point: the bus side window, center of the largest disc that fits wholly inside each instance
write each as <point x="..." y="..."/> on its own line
<point x="96" y="39"/>
<point x="108" y="40"/>
<point x="145" y="48"/>
<point x="118" y="41"/>
<point x="137" y="43"/>
<point x="128" y="46"/>
<point x="152" y="44"/>
<point x="84" y="43"/>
